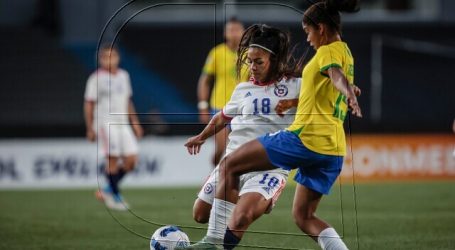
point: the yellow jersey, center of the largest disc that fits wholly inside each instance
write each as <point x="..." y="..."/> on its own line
<point x="322" y="108"/>
<point x="221" y="63"/>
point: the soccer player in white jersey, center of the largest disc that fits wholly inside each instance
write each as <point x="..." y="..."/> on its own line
<point x="109" y="111"/>
<point x="262" y="105"/>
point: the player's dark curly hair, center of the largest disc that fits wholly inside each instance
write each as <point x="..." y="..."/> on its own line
<point x="328" y="12"/>
<point x="283" y="64"/>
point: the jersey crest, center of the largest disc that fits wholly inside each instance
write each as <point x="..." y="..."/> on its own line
<point x="281" y="90"/>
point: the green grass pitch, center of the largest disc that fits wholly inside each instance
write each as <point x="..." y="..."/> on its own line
<point x="385" y="216"/>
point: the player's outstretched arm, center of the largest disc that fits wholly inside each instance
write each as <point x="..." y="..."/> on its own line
<point x="134" y="120"/>
<point x="341" y="83"/>
<point x="215" y="125"/>
<point x="89" y="107"/>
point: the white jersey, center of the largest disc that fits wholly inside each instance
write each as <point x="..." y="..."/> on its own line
<point x="111" y="93"/>
<point x="252" y="110"/>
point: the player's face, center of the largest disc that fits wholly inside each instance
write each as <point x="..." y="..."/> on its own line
<point x="234" y="32"/>
<point x="259" y="63"/>
<point x="109" y="59"/>
<point x="313" y="35"/>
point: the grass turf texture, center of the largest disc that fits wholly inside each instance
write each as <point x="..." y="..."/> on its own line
<point x="389" y="216"/>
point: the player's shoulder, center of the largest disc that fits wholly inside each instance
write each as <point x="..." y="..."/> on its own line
<point x="219" y="48"/>
<point x="291" y="80"/>
<point x="94" y="75"/>
<point x="243" y="85"/>
<point x="335" y="47"/>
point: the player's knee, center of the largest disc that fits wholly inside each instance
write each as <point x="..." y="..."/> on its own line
<point x="227" y="169"/>
<point x="130" y="163"/>
<point x="200" y="217"/>
<point x="302" y="216"/>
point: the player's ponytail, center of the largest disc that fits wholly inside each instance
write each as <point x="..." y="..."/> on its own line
<point x="328" y="12"/>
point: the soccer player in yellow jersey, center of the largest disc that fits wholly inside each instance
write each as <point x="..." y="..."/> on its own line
<point x="315" y="142"/>
<point x="220" y="72"/>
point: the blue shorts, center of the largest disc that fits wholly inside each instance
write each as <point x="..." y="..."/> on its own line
<point x="316" y="171"/>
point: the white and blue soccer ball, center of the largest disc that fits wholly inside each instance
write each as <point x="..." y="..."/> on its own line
<point x="168" y="237"/>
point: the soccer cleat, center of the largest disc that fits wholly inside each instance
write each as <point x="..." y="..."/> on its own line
<point x="114" y="202"/>
<point x="119" y="199"/>
<point x="203" y="244"/>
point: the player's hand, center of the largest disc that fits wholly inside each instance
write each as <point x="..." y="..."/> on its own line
<point x="354" y="106"/>
<point x="91" y="135"/>
<point x="284" y="105"/>
<point x="194" y="144"/>
<point x="357" y="90"/>
<point x="204" y="116"/>
<point x="138" y="131"/>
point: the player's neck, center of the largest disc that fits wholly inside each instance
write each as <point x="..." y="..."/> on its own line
<point x="110" y="71"/>
<point x="334" y="38"/>
<point x="232" y="46"/>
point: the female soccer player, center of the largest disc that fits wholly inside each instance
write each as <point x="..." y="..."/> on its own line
<point x="259" y="106"/>
<point x="109" y="90"/>
<point x="315" y="142"/>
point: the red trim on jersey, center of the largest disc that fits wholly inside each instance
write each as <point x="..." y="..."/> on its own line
<point x="226" y="117"/>
<point x="278" y="192"/>
<point x="258" y="83"/>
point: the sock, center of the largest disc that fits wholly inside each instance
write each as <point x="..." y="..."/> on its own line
<point x="121" y="173"/>
<point x="329" y="240"/>
<point x="112" y="180"/>
<point x="219" y="216"/>
<point x="230" y="240"/>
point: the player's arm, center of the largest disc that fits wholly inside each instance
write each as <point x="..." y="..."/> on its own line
<point x="89" y="107"/>
<point x="134" y="120"/>
<point x="205" y="83"/>
<point x="284" y="105"/>
<point x="341" y="83"/>
<point x="215" y="125"/>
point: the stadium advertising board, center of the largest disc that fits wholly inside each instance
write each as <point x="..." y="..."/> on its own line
<point x="72" y="163"/>
<point x="400" y="157"/>
<point x="69" y="163"/>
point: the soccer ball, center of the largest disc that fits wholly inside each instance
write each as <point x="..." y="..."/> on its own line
<point x="167" y="238"/>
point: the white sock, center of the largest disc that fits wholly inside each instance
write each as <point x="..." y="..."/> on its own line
<point x="329" y="240"/>
<point x="219" y="216"/>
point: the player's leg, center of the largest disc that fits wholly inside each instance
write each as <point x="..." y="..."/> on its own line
<point x="248" y="157"/>
<point x="258" y="195"/>
<point x="201" y="211"/>
<point x="305" y="204"/>
<point x="128" y="149"/>
<point x="249" y="208"/>
<point x="203" y="204"/>
<point x="315" y="177"/>
<point x="221" y="139"/>
<point x="251" y="156"/>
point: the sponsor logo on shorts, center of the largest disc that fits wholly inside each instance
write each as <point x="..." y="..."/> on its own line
<point x="281" y="90"/>
<point x="267" y="189"/>
<point x="208" y="188"/>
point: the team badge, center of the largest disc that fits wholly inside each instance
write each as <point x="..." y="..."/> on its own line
<point x="281" y="90"/>
<point x="208" y="188"/>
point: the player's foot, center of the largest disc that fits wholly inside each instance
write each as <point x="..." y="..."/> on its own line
<point x="203" y="244"/>
<point x="114" y="202"/>
<point x="118" y="198"/>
